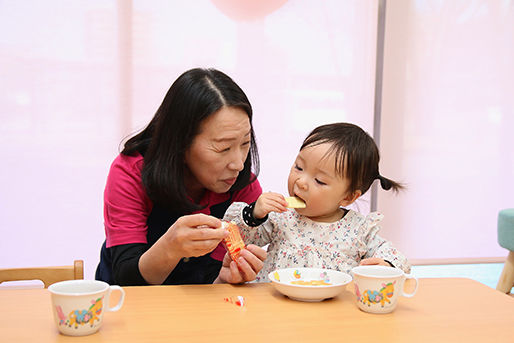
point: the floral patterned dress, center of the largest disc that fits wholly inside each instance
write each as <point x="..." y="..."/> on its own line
<point x="297" y="241"/>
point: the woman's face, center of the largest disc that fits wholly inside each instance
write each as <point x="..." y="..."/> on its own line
<point x="313" y="178"/>
<point x="217" y="154"/>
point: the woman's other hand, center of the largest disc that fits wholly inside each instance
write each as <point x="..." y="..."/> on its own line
<point x="250" y="262"/>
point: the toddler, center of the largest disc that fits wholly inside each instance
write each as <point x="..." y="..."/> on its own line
<point x="336" y="164"/>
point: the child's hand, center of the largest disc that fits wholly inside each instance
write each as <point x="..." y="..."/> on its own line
<point x="269" y="202"/>
<point x="374" y="261"/>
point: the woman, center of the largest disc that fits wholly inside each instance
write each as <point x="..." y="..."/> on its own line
<point x="173" y="180"/>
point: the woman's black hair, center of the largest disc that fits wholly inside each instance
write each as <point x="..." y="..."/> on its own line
<point x="356" y="155"/>
<point x="193" y="97"/>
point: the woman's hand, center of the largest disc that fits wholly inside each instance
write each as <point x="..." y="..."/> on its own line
<point x="374" y="261"/>
<point x="194" y="235"/>
<point x="190" y="236"/>
<point x="250" y="263"/>
<point x="269" y="202"/>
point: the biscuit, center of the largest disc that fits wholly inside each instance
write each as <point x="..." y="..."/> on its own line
<point x="295" y="202"/>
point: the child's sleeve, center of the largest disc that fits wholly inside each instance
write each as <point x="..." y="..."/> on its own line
<point x="259" y="235"/>
<point x="376" y="246"/>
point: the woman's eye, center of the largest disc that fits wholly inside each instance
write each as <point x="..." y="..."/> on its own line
<point x="320" y="182"/>
<point x="245" y="144"/>
<point x="297" y="167"/>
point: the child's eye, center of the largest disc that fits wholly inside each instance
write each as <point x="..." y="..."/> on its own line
<point x="320" y="182"/>
<point x="297" y="167"/>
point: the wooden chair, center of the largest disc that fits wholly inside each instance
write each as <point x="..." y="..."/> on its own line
<point x="48" y="275"/>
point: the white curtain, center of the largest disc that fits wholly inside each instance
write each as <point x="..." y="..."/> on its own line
<point x="447" y="126"/>
<point x="79" y="76"/>
<point x="59" y="122"/>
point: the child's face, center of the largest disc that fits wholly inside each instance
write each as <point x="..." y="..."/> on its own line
<point x="313" y="178"/>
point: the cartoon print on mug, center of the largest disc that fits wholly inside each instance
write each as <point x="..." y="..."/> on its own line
<point x="81" y="317"/>
<point x="374" y="297"/>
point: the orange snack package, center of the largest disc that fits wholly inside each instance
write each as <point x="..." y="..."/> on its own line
<point x="234" y="242"/>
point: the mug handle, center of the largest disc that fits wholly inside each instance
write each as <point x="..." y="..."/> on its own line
<point x="120" y="302"/>
<point x="408" y="295"/>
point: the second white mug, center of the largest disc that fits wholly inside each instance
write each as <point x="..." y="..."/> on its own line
<point x="377" y="288"/>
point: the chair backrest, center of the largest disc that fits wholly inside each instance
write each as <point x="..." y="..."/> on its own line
<point x="48" y="275"/>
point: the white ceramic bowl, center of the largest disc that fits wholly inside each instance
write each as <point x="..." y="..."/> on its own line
<point x="309" y="284"/>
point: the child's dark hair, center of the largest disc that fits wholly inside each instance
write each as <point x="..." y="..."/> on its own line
<point x="356" y="155"/>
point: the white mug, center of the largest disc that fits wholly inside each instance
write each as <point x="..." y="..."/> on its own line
<point x="79" y="305"/>
<point x="377" y="288"/>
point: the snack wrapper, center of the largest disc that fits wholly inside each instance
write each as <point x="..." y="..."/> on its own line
<point x="234" y="242"/>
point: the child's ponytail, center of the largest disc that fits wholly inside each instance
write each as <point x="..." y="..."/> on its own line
<point x="387" y="184"/>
